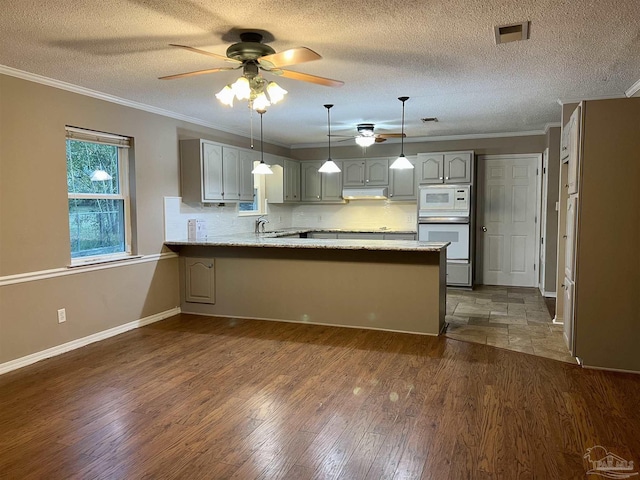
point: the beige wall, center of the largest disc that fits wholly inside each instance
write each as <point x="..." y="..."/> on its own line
<point x="34" y="233"/>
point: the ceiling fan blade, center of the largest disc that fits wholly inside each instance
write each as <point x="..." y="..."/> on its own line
<point x="380" y="139"/>
<point x="342" y="136"/>
<point x="292" y="56"/>
<point x="391" y="135"/>
<point x="305" y="77"/>
<point x="197" y="72"/>
<point x="203" y="52"/>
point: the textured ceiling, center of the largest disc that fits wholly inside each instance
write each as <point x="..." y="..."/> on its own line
<point x="440" y="53"/>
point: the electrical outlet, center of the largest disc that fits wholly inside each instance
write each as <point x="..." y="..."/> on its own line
<point x="62" y="315"/>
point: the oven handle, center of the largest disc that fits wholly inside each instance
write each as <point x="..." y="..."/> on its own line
<point x="443" y="220"/>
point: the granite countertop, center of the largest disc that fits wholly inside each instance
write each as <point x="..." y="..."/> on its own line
<point x="281" y="239"/>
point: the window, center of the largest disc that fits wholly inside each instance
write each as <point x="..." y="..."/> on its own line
<point x="258" y="206"/>
<point x="98" y="191"/>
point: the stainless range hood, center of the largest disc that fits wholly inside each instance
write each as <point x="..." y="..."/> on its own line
<point x="365" y="193"/>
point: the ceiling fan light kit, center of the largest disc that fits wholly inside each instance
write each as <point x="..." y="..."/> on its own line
<point x="329" y="166"/>
<point x="366" y="141"/>
<point x="402" y="162"/>
<point x="252" y="55"/>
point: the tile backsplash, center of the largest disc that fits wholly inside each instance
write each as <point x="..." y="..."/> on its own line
<point x="222" y="220"/>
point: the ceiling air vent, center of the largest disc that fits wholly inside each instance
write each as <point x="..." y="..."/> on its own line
<point x="512" y="33"/>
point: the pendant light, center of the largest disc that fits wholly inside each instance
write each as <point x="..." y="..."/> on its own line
<point x="262" y="168"/>
<point x="329" y="166"/>
<point x="402" y="162"/>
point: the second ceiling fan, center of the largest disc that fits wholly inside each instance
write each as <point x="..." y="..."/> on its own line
<point x="367" y="136"/>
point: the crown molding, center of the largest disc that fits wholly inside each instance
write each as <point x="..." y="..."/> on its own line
<point x="551" y="125"/>
<point x="87" y="92"/>
<point x="633" y="89"/>
<point x="564" y="101"/>
<point x="443" y="138"/>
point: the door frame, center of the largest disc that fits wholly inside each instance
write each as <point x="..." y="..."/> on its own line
<point x="544" y="192"/>
<point x="480" y="205"/>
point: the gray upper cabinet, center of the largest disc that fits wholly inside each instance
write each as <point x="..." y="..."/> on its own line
<point x="447" y="167"/>
<point x="370" y="172"/>
<point x="291" y="181"/>
<point x="283" y="186"/>
<point x="320" y="187"/>
<point x="457" y="167"/>
<point x="211" y="172"/>
<point x="402" y="184"/>
<point x="430" y="168"/>
<point x="310" y="182"/>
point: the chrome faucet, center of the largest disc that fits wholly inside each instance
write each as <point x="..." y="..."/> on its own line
<point x="260" y="223"/>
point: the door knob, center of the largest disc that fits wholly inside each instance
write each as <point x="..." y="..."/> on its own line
<point x="484" y="229"/>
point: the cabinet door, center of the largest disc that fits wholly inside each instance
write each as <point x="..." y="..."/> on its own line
<point x="570" y="240"/>
<point x="245" y="177"/>
<point x="310" y="182"/>
<point x="457" y="168"/>
<point x="332" y="185"/>
<point x="360" y="236"/>
<point x="430" y="168"/>
<point x="574" y="151"/>
<point x="353" y="173"/>
<point x="399" y="236"/>
<point x="402" y="184"/>
<point x="212" y="171"/>
<point x="292" y="181"/>
<point x="199" y="278"/>
<point x="231" y="187"/>
<point x="377" y="172"/>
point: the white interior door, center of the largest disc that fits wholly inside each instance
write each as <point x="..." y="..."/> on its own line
<point x="507" y="240"/>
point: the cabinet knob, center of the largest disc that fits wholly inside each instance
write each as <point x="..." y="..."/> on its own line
<point x="391" y="195"/>
<point x="446" y="178"/>
<point x="318" y="196"/>
<point x="441" y="178"/>
<point x="484" y="229"/>
<point x="367" y="180"/>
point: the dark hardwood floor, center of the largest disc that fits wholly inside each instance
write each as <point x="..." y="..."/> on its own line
<point x="198" y="397"/>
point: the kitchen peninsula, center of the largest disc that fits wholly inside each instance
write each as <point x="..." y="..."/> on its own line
<point x="397" y="285"/>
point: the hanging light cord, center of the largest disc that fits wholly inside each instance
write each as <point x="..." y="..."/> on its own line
<point x="402" y="99"/>
<point x="261" y="112"/>
<point x="328" y="107"/>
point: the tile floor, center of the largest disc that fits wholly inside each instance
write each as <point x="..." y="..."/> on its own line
<point x="506" y="317"/>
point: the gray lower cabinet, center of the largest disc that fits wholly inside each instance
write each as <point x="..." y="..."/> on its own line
<point x="360" y="236"/>
<point x="199" y="280"/>
<point x="459" y="274"/>
<point x="400" y="236"/>
<point x="319" y="187"/>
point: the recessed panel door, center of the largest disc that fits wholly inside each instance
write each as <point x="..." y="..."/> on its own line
<point x="507" y="211"/>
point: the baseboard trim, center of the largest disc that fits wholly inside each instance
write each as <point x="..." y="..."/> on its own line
<point x="606" y="369"/>
<point x="321" y="324"/>
<point x="81" y="342"/>
<point x="549" y="294"/>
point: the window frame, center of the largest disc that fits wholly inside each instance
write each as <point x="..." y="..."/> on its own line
<point x="122" y="144"/>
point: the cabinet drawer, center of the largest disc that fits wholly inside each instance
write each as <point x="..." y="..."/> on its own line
<point x="458" y="274"/>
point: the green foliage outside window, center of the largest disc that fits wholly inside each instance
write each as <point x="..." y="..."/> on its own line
<point x="96" y="208"/>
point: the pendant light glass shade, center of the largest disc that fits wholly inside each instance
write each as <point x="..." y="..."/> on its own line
<point x="226" y="96"/>
<point x="402" y="162"/>
<point x="262" y="168"/>
<point x="329" y="166"/>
